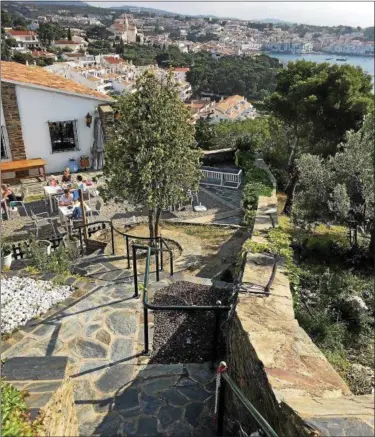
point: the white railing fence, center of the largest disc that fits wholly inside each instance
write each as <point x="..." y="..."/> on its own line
<point x="221" y="178"/>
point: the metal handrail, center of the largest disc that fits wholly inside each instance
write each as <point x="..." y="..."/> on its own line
<point x="147" y="306"/>
<point x="261" y="421"/>
<point x="86" y="225"/>
<point x="128" y="237"/>
<point x="136" y="247"/>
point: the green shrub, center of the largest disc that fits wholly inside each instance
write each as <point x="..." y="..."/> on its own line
<point x="257" y="183"/>
<point x="59" y="261"/>
<point x="15" y="419"/>
<point x="249" y="218"/>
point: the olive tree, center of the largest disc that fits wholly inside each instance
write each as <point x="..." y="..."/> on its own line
<point x="151" y="156"/>
<point x="341" y="187"/>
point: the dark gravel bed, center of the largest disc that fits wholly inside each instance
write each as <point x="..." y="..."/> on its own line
<point x="185" y="337"/>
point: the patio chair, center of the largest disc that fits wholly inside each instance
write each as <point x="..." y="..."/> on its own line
<point x="43" y="219"/>
<point x="55" y="201"/>
<point x="14" y="206"/>
<point x="95" y="211"/>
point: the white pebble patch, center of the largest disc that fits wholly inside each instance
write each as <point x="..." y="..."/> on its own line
<point x="22" y="299"/>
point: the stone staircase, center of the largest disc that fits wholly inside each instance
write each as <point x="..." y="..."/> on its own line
<point x="100" y="332"/>
<point x="150" y="399"/>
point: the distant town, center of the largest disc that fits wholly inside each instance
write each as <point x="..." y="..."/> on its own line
<point x="107" y="50"/>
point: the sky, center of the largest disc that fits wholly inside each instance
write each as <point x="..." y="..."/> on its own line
<point x="350" y="13"/>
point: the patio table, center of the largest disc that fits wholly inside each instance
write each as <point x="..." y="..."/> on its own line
<point x="66" y="212"/>
<point x="50" y="192"/>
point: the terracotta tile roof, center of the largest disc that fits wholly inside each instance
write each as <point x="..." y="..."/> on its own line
<point x="183" y="70"/>
<point x="117" y="26"/>
<point x="94" y="79"/>
<point x="22" y="32"/>
<point x="113" y="60"/>
<point x="228" y="103"/>
<point x="41" y="54"/>
<point x="12" y="71"/>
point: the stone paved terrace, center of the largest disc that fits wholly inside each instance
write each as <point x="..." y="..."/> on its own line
<point x="223" y="206"/>
<point x="116" y="391"/>
<point x="219" y="209"/>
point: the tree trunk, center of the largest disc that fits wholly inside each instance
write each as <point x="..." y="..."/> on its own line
<point x="157" y="218"/>
<point x="151" y="226"/>
<point x="290" y="192"/>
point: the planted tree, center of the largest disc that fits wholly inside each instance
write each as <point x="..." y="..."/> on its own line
<point x="317" y="104"/>
<point x="49" y="32"/>
<point x="151" y="157"/>
<point x="341" y="188"/>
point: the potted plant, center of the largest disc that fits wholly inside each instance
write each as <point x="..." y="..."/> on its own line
<point x="71" y="242"/>
<point x="6" y="255"/>
<point x="45" y="244"/>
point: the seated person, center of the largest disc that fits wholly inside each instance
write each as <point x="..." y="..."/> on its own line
<point x="77" y="211"/>
<point x="52" y="181"/>
<point x="66" y="199"/>
<point x="67" y="177"/>
<point x="7" y="194"/>
<point x="81" y="184"/>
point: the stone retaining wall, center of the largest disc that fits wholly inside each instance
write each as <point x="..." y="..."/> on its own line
<point x="50" y="393"/>
<point x="276" y="364"/>
<point x="59" y="414"/>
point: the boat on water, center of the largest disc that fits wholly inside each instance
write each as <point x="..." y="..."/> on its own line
<point x="328" y="59"/>
<point x="341" y="59"/>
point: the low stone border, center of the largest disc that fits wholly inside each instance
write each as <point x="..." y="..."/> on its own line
<point x="190" y="223"/>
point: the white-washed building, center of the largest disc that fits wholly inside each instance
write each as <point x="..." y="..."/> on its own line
<point x="44" y="115"/>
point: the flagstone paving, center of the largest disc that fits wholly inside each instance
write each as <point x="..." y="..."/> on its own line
<point x="115" y="393"/>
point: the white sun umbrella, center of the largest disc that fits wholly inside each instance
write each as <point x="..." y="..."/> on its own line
<point x="98" y="145"/>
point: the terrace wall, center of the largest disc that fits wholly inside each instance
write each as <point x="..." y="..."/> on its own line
<point x="278" y="367"/>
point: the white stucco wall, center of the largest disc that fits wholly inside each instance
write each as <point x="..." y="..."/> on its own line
<point x="37" y="107"/>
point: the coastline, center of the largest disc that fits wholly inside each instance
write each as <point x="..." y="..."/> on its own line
<point x="317" y="53"/>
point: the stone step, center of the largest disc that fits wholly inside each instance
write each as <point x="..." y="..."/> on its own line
<point x="161" y="400"/>
<point x="34" y="368"/>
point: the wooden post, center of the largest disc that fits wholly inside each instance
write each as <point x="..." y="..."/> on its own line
<point x="83" y="214"/>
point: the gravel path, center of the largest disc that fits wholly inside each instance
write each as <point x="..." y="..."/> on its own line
<point x="179" y="336"/>
<point x="24" y="298"/>
<point x="20" y="226"/>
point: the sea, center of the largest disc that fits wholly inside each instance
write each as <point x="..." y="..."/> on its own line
<point x="366" y="63"/>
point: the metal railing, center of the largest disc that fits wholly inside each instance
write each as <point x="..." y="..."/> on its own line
<point x="101" y="224"/>
<point x="227" y="381"/>
<point x="94" y="228"/>
<point x="222" y="179"/>
<point x="159" y="266"/>
<point x="128" y="237"/>
<point x="218" y="309"/>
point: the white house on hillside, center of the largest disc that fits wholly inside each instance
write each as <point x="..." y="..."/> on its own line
<point x="45" y="116"/>
<point x="179" y="73"/>
<point x="24" y="38"/>
<point x="233" y="108"/>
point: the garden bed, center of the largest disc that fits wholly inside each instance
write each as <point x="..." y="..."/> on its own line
<point x="181" y="336"/>
<point x="23" y="299"/>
